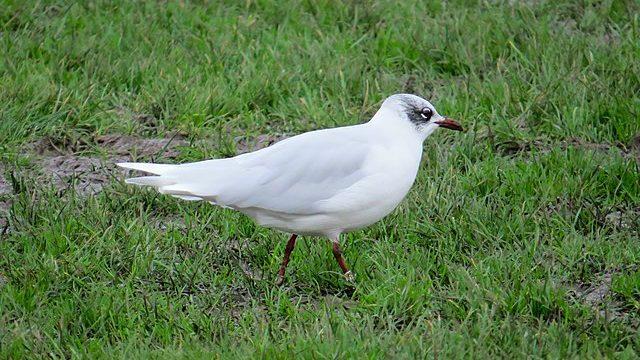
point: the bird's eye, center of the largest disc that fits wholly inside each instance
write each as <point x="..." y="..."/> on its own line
<point x="426" y="113"/>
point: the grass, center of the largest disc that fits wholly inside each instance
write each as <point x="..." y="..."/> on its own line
<point x="497" y="251"/>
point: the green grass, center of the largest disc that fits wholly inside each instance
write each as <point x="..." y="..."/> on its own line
<point x="506" y="230"/>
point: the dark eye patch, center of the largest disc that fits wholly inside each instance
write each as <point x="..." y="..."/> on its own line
<point x="417" y="112"/>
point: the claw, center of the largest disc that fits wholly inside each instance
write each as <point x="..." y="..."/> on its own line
<point x="349" y="276"/>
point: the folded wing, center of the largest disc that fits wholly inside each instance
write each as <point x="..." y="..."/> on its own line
<point x="294" y="176"/>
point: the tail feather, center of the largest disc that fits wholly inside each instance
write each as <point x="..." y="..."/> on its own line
<point x="159" y="182"/>
<point x="165" y="184"/>
<point x="155" y="181"/>
<point x="168" y="179"/>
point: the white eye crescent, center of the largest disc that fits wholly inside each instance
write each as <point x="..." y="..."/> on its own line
<point x="426" y="113"/>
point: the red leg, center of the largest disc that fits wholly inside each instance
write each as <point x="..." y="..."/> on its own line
<point x="337" y="253"/>
<point x="285" y="261"/>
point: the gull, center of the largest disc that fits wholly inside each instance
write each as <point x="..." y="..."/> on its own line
<point x="321" y="183"/>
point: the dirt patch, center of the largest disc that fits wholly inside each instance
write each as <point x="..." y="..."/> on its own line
<point x="254" y="275"/>
<point x="134" y="146"/>
<point x="87" y="175"/>
<point x="634" y="144"/>
<point x="5" y="186"/>
<point x="597" y="295"/>
<point x="570" y="27"/>
<point x="562" y="207"/>
<point x="245" y="145"/>
<point x="634" y="148"/>
<point x="170" y="222"/>
<point x="63" y="163"/>
<point x="51" y="146"/>
<point x="4" y="214"/>
<point x="509" y="148"/>
<point x="3" y="281"/>
<point x="565" y="26"/>
<point x="5" y="204"/>
<point x="621" y="217"/>
<point x="125" y="146"/>
<point x="597" y="292"/>
<point x="627" y="219"/>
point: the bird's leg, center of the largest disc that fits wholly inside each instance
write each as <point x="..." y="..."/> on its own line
<point x="337" y="253"/>
<point x="287" y="253"/>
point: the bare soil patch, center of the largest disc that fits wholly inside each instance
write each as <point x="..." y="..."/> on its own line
<point x="127" y="146"/>
<point x="596" y="293"/>
<point x="634" y="148"/>
<point x="509" y="148"/>
<point x="66" y="165"/>
<point x="87" y="175"/>
<point x="3" y="281"/>
<point x="5" y="186"/>
<point x="624" y="219"/>
<point x="65" y="160"/>
<point x="5" y="204"/>
<point x="598" y="296"/>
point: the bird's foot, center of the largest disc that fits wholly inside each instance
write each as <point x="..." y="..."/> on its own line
<point x="279" y="280"/>
<point x="349" y="276"/>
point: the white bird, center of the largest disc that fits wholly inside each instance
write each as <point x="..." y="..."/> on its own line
<point x="321" y="183"/>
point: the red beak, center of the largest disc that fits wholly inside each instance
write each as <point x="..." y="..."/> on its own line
<point x="450" y="124"/>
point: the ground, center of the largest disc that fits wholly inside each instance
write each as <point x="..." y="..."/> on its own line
<point x="520" y="237"/>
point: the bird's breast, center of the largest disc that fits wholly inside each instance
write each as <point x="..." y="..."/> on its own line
<point x="392" y="176"/>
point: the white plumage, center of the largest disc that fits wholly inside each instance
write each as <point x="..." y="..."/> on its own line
<point x="324" y="182"/>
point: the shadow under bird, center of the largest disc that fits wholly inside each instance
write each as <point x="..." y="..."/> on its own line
<point x="320" y="183"/>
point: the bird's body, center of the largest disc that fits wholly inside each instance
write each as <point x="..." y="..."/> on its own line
<point x="323" y="182"/>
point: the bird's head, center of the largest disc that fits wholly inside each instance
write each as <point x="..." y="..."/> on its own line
<point x="416" y="112"/>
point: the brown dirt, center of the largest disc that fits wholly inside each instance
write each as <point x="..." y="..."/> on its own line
<point x="127" y="145"/>
<point x="5" y="204"/>
<point x="89" y="174"/>
<point x="634" y="144"/>
<point x="50" y="146"/>
<point x="3" y="281"/>
<point x="634" y="148"/>
<point x="4" y="222"/>
<point x="124" y="145"/>
<point x="170" y="222"/>
<point x="620" y="217"/>
<point x="64" y="162"/>
<point x="5" y="186"/>
<point x="623" y="219"/>
<point x="248" y="272"/>
<point x="509" y="148"/>
<point x="597" y="295"/>
<point x="570" y="27"/>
